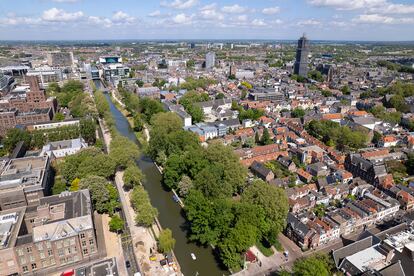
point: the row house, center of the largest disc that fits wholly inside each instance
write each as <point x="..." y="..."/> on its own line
<point x="326" y="228"/>
<point x="300" y="233"/>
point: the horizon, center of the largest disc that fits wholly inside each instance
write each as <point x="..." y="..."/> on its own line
<point x="336" y="20"/>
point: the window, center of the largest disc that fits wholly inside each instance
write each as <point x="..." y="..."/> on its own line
<point x="28" y="249"/>
<point x="85" y="251"/>
<point x="44" y="263"/>
<point x="61" y="252"/>
<point x="22" y="260"/>
<point x="31" y="258"/>
<point x="25" y="269"/>
<point x="91" y="242"/>
<point x="92" y="249"/>
<point x="48" y="245"/>
<point x="68" y="250"/>
<point x="50" y="252"/>
<point x="82" y="235"/>
<point x="83" y="243"/>
<point x="20" y="252"/>
<point x="42" y="255"/>
<point x="34" y="266"/>
<point x="39" y="246"/>
<point x="72" y="241"/>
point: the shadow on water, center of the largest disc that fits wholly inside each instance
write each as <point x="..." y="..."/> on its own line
<point x="171" y="214"/>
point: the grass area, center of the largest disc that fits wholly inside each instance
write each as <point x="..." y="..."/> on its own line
<point x="278" y="246"/>
<point x="265" y="248"/>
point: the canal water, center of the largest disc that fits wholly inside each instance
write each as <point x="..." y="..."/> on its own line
<point x="170" y="213"/>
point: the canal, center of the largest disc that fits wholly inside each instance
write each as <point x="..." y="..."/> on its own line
<point x="170" y="213"/>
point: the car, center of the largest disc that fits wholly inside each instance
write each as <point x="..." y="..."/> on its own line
<point x="128" y="264"/>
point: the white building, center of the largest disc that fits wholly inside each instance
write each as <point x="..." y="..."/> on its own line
<point x="64" y="148"/>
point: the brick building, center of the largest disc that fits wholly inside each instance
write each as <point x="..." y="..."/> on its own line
<point x="26" y="106"/>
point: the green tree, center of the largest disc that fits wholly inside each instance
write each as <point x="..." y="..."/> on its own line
<point x="74" y="186"/>
<point x="58" y="186"/>
<point x="185" y="185"/>
<point x="150" y="107"/>
<point x="116" y="224"/>
<point x="123" y="151"/>
<point x="59" y="117"/>
<point x="346" y="90"/>
<point x="220" y="96"/>
<point x="104" y="196"/>
<point x="266" y="140"/>
<point x="14" y="136"/>
<point x="274" y="202"/>
<point x="132" y="176"/>
<point x="311" y="266"/>
<point x="138" y="122"/>
<point x="298" y="113"/>
<point x="88" y="130"/>
<point x="166" y="241"/>
<point x="142" y="205"/>
<point x="196" y="113"/>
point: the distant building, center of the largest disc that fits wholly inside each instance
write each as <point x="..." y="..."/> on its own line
<point x="56" y="59"/>
<point x="302" y="52"/>
<point x="46" y="75"/>
<point x="210" y="60"/>
<point x="6" y="84"/>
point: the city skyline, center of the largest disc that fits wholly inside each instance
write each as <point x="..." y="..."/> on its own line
<point x="375" y="20"/>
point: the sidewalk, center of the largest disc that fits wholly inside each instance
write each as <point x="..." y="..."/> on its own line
<point x="142" y="238"/>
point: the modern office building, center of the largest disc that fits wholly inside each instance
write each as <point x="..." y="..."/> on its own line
<point x="60" y="59"/>
<point x="46" y="75"/>
<point x="23" y="181"/>
<point x="6" y="84"/>
<point x="210" y="60"/>
<point x="302" y="60"/>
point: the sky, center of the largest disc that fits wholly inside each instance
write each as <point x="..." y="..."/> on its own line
<point x="384" y="20"/>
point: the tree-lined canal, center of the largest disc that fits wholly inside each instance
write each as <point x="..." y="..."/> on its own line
<point x="170" y="213"/>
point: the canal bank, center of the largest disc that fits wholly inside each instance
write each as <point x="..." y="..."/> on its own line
<point x="170" y="213"/>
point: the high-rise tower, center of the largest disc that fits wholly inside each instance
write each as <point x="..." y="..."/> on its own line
<point x="302" y="52"/>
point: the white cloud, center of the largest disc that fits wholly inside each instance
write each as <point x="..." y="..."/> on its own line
<point x="373" y="6"/>
<point x="382" y="19"/>
<point x="242" y="18"/>
<point x="234" y="9"/>
<point x="211" y="14"/>
<point x="13" y="20"/>
<point x="271" y="10"/>
<point x="122" y="17"/>
<point x="258" y="23"/>
<point x="155" y="13"/>
<point x="309" y="22"/>
<point x="182" y="19"/>
<point x="211" y="6"/>
<point x="59" y="15"/>
<point x="180" y="4"/>
<point x="100" y="21"/>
